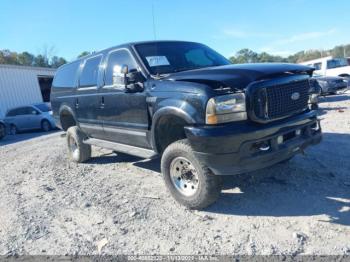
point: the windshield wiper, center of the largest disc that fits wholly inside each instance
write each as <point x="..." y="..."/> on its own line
<point x="181" y="69"/>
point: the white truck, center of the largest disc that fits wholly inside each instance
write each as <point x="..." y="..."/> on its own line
<point x="330" y="66"/>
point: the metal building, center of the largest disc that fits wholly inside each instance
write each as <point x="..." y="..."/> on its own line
<point x="24" y="85"/>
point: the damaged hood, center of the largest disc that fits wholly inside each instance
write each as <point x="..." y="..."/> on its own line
<point x="239" y="75"/>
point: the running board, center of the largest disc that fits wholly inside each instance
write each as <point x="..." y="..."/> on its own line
<point x="122" y="148"/>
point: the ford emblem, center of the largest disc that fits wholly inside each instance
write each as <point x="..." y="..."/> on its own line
<point x="295" y="96"/>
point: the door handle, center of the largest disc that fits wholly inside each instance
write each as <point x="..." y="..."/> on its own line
<point x="102" y="105"/>
<point x="76" y="103"/>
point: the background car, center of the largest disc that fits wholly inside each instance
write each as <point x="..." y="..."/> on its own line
<point x="2" y="129"/>
<point x="330" y="84"/>
<point x="25" y="118"/>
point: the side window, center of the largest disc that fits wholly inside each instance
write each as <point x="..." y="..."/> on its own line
<point x="89" y="73"/>
<point x="114" y="65"/>
<point x="12" y="112"/>
<point x="66" y="75"/>
<point x="317" y="66"/>
<point x="331" y="64"/>
<point x="20" y="111"/>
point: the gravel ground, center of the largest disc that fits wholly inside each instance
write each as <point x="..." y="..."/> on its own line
<point x="118" y="204"/>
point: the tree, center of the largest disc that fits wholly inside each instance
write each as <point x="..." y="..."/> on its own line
<point x="85" y="53"/>
<point x="57" y="61"/>
<point x="41" y="61"/>
<point x="25" y="58"/>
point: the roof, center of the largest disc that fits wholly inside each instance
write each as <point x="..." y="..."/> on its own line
<point x="316" y="60"/>
<point x="131" y="44"/>
<point x="27" y="67"/>
<point x="125" y="45"/>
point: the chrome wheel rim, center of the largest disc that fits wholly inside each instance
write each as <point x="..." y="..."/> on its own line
<point x="73" y="147"/>
<point x="184" y="176"/>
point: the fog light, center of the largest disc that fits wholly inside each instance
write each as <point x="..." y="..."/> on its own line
<point x="298" y="132"/>
<point x="279" y="139"/>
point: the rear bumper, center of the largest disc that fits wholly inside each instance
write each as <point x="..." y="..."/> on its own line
<point x="244" y="147"/>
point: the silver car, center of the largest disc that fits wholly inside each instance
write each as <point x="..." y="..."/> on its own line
<point x="25" y="118"/>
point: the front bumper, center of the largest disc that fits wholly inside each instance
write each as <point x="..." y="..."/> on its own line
<point x="243" y="147"/>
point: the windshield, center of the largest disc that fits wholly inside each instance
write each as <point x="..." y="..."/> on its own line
<point x="43" y="107"/>
<point x="170" y="57"/>
<point x="338" y="62"/>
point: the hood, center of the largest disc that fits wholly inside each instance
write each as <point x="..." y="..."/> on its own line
<point x="240" y="75"/>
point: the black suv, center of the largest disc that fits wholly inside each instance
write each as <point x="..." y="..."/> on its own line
<point x="188" y="104"/>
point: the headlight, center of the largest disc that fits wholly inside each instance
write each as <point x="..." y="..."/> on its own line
<point x="226" y="108"/>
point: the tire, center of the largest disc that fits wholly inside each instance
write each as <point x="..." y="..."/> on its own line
<point x="45" y="126"/>
<point x="2" y="131"/>
<point x="13" y="130"/>
<point x="77" y="150"/>
<point x="189" y="181"/>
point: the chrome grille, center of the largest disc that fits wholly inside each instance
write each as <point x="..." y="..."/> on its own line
<point x="278" y="101"/>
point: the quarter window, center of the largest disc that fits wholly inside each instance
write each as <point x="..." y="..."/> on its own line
<point x="89" y="74"/>
<point x="115" y="62"/>
<point x="66" y="75"/>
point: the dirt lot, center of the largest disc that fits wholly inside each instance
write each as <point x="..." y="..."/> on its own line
<point x="119" y="205"/>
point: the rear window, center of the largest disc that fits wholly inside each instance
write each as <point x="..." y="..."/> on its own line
<point x="66" y="75"/>
<point x="89" y="74"/>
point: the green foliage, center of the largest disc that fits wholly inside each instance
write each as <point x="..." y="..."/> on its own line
<point x="85" y="53"/>
<point x="28" y="59"/>
<point x="248" y="56"/>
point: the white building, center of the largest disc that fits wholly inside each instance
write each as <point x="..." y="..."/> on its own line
<point x="24" y="85"/>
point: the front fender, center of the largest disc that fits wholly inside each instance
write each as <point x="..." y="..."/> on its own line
<point x="179" y="109"/>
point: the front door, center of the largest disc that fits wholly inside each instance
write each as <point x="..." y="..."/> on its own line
<point x="125" y="115"/>
<point x="87" y="99"/>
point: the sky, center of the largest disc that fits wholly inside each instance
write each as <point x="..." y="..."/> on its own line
<point x="67" y="28"/>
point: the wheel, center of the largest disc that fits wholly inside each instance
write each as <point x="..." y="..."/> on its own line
<point x="2" y="131"/>
<point x="77" y="150"/>
<point x="13" y="129"/>
<point x="45" y="126"/>
<point x="189" y="181"/>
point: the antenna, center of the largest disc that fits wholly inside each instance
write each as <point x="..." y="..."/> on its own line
<point x="154" y="24"/>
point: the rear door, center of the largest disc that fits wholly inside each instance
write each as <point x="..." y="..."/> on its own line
<point x="125" y="115"/>
<point x="22" y="118"/>
<point x="88" y="100"/>
<point x="32" y="118"/>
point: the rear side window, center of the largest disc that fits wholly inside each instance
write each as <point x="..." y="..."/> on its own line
<point x="12" y="112"/>
<point x="66" y="75"/>
<point x="89" y="73"/>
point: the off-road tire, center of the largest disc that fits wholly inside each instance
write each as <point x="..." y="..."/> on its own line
<point x="79" y="152"/>
<point x="45" y="125"/>
<point x="209" y="185"/>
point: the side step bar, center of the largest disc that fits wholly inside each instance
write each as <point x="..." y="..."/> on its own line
<point x="130" y="150"/>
